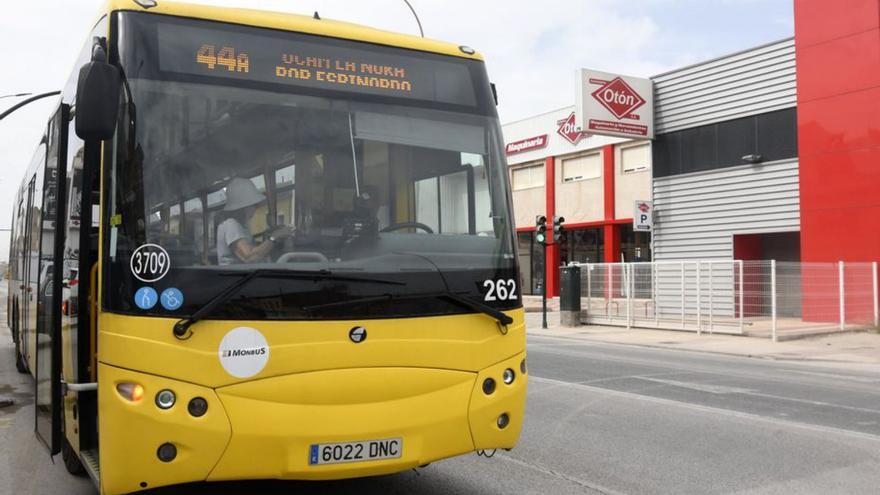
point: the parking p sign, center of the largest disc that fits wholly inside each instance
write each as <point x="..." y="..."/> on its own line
<point x="643" y="216"/>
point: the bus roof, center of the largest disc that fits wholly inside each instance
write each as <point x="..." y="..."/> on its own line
<point x="294" y="22"/>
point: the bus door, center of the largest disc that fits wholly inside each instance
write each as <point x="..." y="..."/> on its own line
<point x="28" y="277"/>
<point x="48" y="359"/>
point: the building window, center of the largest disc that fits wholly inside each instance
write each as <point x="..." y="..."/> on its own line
<point x="771" y="135"/>
<point x="635" y="158"/>
<point x="583" y="246"/>
<point x="527" y="177"/>
<point x="634" y="246"/>
<point x="582" y="167"/>
<point x="531" y="263"/>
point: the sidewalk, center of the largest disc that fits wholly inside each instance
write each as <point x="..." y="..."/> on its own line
<point x="858" y="349"/>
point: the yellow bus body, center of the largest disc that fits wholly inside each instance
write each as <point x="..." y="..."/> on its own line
<point x="418" y="379"/>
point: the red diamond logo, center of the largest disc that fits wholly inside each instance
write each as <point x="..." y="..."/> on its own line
<point x="618" y="97"/>
<point x="569" y="131"/>
<point x="643" y="207"/>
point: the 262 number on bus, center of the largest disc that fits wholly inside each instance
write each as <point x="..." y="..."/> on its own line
<point x="500" y="290"/>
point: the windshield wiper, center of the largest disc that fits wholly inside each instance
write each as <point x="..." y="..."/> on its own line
<point x="182" y="327"/>
<point x="498" y="315"/>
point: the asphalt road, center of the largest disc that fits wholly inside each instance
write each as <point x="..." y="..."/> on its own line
<point x="601" y="419"/>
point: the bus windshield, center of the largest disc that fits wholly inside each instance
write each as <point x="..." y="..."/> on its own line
<point x="246" y="149"/>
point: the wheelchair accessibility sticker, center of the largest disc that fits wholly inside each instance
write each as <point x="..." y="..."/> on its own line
<point x="171" y="299"/>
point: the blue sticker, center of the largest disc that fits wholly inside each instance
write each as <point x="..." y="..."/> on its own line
<point x="172" y="299"/>
<point x="146" y="297"/>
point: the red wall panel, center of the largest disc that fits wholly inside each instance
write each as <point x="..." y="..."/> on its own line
<point x="840" y="66"/>
<point x="837" y="49"/>
<point x="817" y="21"/>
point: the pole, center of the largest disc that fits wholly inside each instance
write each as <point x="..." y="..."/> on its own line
<point x="711" y="297"/>
<point x="654" y="293"/>
<point x="841" y="295"/>
<point x="418" y="21"/>
<point x="876" y="300"/>
<point x="699" y="300"/>
<point x="589" y="291"/>
<point x="682" y="296"/>
<point x="741" y="294"/>
<point x="773" y="298"/>
<point x="628" y="269"/>
<point x="544" y="292"/>
<point x="25" y="102"/>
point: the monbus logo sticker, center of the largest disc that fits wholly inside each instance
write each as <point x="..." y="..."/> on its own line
<point x="243" y="352"/>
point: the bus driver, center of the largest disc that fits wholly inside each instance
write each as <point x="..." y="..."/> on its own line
<point x="235" y="244"/>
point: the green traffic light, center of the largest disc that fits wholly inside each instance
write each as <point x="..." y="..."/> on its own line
<point x="540" y="238"/>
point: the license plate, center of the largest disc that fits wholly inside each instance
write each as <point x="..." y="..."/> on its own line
<point x="370" y="450"/>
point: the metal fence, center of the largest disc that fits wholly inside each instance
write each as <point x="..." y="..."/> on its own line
<point x="764" y="298"/>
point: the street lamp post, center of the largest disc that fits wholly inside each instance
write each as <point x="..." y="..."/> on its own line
<point x="25" y="102"/>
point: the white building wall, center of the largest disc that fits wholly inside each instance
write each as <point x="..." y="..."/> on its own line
<point x="755" y="81"/>
<point x="697" y="214"/>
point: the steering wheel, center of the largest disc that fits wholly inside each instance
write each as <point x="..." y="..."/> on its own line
<point x="408" y="225"/>
<point x="303" y="257"/>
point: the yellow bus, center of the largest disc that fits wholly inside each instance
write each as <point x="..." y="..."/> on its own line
<point x="255" y="245"/>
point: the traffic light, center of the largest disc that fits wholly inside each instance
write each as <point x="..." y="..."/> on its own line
<point x="558" y="232"/>
<point x="541" y="229"/>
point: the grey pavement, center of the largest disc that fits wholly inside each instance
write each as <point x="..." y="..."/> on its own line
<point x="602" y="418"/>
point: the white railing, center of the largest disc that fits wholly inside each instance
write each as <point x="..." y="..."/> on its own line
<point x="731" y="296"/>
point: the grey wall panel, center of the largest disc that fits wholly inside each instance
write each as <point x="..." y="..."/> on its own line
<point x="697" y="214"/>
<point x="752" y="82"/>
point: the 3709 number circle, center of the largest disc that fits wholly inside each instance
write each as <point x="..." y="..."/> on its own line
<point x="150" y="262"/>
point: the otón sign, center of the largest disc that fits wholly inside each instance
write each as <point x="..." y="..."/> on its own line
<point x="615" y="105"/>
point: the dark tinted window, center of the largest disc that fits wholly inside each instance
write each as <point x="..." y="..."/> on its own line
<point x="777" y="134"/>
<point x="772" y="135"/>
<point x="736" y="139"/>
<point x="666" y="154"/>
<point x="698" y="149"/>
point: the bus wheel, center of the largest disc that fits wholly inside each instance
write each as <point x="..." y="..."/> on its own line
<point x="71" y="460"/>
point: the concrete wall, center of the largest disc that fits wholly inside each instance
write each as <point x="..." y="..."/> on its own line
<point x="630" y="187"/>
<point x="528" y="203"/>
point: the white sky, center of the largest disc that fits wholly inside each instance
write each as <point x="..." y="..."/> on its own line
<point x="532" y="48"/>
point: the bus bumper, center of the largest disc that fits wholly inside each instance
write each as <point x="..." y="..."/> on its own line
<point x="265" y="429"/>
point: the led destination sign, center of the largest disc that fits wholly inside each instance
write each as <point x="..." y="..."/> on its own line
<point x="302" y="60"/>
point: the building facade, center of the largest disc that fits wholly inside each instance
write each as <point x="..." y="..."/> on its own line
<point x="591" y="181"/>
<point x="769" y="153"/>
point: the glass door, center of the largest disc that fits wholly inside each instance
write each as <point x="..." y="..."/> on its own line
<point x="48" y="310"/>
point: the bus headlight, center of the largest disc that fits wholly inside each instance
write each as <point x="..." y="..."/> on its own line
<point x="165" y="399"/>
<point x="509" y="376"/>
<point x="131" y="392"/>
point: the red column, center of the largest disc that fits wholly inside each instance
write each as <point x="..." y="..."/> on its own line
<point x="553" y="255"/>
<point x="837" y="51"/>
<point x="612" y="231"/>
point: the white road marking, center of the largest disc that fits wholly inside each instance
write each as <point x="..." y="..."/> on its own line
<point x="708" y="409"/>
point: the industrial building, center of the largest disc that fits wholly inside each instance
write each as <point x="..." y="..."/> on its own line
<point x="769" y="153"/>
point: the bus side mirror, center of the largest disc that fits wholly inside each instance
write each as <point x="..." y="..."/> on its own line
<point x="97" y="100"/>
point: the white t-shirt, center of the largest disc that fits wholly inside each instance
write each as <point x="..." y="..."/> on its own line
<point x="228" y="233"/>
